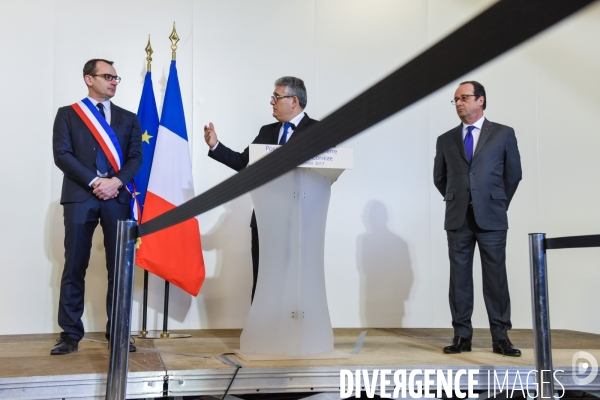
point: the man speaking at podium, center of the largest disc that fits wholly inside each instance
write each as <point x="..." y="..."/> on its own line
<point x="477" y="169"/>
<point x="98" y="147"/>
<point x="288" y="102"/>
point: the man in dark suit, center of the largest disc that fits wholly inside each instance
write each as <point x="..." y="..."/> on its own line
<point x="477" y="169"/>
<point x="92" y="192"/>
<point x="288" y="102"/>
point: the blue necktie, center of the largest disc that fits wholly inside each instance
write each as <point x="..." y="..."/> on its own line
<point x="286" y="128"/>
<point x="469" y="142"/>
<point x="101" y="160"/>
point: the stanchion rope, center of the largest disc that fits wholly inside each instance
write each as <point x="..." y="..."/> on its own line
<point x="498" y="29"/>
<point x="572" y="242"/>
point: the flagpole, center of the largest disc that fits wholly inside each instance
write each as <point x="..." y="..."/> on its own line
<point x="174" y="39"/>
<point x="165" y="333"/>
<point x="144" y="331"/>
<point x="157" y="334"/>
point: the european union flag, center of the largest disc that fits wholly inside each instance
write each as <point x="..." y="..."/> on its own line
<point x="148" y="116"/>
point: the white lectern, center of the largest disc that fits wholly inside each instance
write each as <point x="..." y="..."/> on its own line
<point x="289" y="317"/>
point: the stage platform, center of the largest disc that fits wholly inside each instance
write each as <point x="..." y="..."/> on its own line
<point x="196" y="366"/>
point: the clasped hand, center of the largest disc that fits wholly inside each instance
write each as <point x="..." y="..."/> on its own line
<point x="106" y="189"/>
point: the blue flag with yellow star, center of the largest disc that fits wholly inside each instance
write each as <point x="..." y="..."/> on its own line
<point x="148" y="116"/>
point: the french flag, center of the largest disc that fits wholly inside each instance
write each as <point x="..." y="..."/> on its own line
<point x="175" y="253"/>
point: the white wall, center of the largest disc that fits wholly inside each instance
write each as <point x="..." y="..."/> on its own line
<point x="386" y="255"/>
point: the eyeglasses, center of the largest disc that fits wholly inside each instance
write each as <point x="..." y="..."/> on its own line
<point x="109" y="77"/>
<point x="276" y="97"/>
<point x="462" y="98"/>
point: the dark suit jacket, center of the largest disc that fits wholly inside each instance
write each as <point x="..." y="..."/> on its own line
<point x="75" y="149"/>
<point x="492" y="176"/>
<point x="268" y="134"/>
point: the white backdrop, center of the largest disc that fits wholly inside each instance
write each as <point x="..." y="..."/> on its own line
<point x="386" y="256"/>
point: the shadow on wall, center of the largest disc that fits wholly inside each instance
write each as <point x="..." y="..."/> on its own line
<point x="386" y="274"/>
<point x="96" y="280"/>
<point x="226" y="291"/>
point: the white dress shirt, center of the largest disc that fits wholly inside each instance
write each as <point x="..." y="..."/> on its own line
<point x="106" y="107"/>
<point x="296" y="120"/>
<point x="475" y="132"/>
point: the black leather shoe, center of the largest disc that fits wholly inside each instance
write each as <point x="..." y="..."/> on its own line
<point x="132" y="348"/>
<point x="506" y="348"/>
<point x="64" y="345"/>
<point x="459" y="344"/>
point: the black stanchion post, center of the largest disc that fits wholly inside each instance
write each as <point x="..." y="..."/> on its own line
<point x="542" y="345"/>
<point x="165" y="332"/>
<point x="116" y="380"/>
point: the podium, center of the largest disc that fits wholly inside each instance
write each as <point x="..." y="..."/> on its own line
<point x="289" y="317"/>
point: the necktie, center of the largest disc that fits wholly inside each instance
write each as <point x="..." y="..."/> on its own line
<point x="286" y="128"/>
<point x="101" y="109"/>
<point x="469" y="142"/>
<point x="101" y="160"/>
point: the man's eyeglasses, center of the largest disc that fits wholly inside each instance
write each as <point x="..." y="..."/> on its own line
<point x="276" y="97"/>
<point x="462" y="98"/>
<point x="109" y="77"/>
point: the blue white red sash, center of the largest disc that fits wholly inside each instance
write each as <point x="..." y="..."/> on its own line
<point x="107" y="139"/>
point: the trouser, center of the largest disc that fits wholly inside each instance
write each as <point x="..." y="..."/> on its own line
<point x="492" y="248"/>
<point x="80" y="221"/>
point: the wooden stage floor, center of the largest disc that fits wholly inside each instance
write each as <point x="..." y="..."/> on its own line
<point x="195" y="366"/>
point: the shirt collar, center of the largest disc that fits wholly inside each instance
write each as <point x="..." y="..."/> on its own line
<point x="105" y="103"/>
<point x="296" y="120"/>
<point x="478" y="124"/>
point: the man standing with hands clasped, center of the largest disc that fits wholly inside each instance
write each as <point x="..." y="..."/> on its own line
<point x="477" y="169"/>
<point x="288" y="101"/>
<point x="98" y="147"/>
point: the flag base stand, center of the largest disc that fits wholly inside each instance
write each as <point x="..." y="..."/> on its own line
<point x="162" y="335"/>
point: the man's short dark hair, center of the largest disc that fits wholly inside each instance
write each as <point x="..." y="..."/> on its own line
<point x="479" y="91"/>
<point x="90" y="67"/>
<point x="294" y="87"/>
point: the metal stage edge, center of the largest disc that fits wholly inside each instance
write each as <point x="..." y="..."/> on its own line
<point x="310" y="380"/>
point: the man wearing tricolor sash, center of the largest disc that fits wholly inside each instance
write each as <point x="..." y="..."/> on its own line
<point x="98" y="147"/>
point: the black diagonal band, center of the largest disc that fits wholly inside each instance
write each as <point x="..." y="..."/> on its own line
<point x="498" y="29"/>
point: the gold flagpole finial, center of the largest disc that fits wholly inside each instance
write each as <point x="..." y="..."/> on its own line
<point x="174" y="39"/>
<point x="149" y="54"/>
